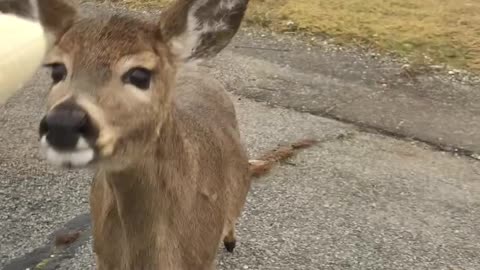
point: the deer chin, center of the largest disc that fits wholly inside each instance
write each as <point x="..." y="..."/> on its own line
<point x="82" y="156"/>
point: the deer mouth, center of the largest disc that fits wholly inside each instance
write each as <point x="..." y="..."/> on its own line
<point x="80" y="156"/>
<point x="67" y="136"/>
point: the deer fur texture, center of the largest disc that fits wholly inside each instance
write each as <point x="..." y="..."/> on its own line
<point x="171" y="172"/>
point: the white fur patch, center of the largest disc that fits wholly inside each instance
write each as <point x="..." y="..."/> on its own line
<point x="184" y="44"/>
<point x="256" y="162"/>
<point x="80" y="157"/>
<point x="228" y="4"/>
<point x="82" y="144"/>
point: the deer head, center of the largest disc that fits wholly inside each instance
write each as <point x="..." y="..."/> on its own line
<point x="113" y="78"/>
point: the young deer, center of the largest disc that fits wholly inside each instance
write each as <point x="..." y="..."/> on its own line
<point x="172" y="175"/>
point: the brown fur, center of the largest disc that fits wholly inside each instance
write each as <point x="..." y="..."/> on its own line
<point x="48" y="10"/>
<point x="172" y="174"/>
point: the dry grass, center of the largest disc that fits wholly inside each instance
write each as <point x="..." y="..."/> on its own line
<point x="447" y="31"/>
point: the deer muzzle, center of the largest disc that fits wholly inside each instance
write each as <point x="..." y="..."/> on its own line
<point x="67" y="136"/>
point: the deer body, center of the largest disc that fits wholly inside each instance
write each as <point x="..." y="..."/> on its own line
<point x="171" y="211"/>
<point x="172" y="175"/>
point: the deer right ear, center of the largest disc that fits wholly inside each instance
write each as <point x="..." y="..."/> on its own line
<point x="200" y="29"/>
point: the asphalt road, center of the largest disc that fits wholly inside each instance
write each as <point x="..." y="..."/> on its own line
<point x="359" y="200"/>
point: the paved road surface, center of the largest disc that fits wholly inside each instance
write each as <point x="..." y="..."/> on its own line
<point x="360" y="200"/>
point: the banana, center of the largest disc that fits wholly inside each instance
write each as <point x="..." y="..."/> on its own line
<point x="23" y="45"/>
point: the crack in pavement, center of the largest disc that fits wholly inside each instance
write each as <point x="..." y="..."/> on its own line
<point x="367" y="128"/>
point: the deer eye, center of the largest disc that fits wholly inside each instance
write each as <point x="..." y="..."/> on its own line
<point x="138" y="77"/>
<point x="58" y="72"/>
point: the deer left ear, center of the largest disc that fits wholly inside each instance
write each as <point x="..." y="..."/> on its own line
<point x="55" y="16"/>
<point x="20" y="8"/>
<point x="200" y="29"/>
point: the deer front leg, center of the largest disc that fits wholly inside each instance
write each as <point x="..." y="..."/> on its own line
<point x="229" y="240"/>
<point x="98" y="264"/>
<point x="104" y="265"/>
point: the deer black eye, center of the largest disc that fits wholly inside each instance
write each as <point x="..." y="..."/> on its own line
<point x="58" y="72"/>
<point x="138" y="77"/>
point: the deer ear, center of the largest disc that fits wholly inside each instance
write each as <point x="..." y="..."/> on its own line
<point x="20" y="8"/>
<point x="55" y="16"/>
<point x="200" y="29"/>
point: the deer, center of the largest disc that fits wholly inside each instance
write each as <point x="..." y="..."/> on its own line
<point x="171" y="172"/>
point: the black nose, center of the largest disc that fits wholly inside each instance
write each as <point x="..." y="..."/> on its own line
<point x="64" y="125"/>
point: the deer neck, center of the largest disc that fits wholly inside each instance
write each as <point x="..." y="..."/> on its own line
<point x="149" y="193"/>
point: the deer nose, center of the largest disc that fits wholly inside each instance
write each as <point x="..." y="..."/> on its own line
<point x="64" y="125"/>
